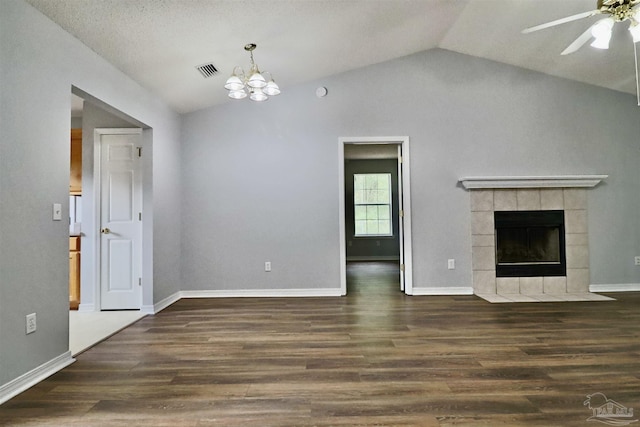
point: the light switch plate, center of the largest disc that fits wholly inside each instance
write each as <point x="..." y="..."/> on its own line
<point x="57" y="212"/>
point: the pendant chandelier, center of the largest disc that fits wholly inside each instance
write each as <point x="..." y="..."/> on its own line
<point x="252" y="84"/>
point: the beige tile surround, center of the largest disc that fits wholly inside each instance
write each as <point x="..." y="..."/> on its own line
<point x="484" y="202"/>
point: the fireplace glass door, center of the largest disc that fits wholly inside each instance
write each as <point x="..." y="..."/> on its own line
<point x="530" y="243"/>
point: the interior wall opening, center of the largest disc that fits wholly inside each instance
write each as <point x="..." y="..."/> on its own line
<point x="373" y="227"/>
<point x="87" y="324"/>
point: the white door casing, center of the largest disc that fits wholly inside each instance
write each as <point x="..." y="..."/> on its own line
<point x="406" y="273"/>
<point x="400" y="218"/>
<point x="120" y="234"/>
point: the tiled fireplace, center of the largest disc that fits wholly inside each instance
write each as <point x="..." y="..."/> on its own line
<point x="501" y="194"/>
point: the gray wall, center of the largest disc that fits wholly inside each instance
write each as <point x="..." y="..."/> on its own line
<point x="35" y="114"/>
<point x="359" y="248"/>
<point x="261" y="179"/>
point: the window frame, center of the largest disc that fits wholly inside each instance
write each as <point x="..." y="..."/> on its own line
<point x="388" y="204"/>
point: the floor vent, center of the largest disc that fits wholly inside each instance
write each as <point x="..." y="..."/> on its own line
<point x="207" y="70"/>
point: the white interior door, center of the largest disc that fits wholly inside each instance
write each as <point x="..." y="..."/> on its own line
<point x="120" y="221"/>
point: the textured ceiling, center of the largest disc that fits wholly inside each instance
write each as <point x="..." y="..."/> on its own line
<point x="160" y="42"/>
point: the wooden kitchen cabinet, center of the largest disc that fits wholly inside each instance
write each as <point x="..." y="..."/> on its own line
<point x="74" y="272"/>
<point x="75" y="181"/>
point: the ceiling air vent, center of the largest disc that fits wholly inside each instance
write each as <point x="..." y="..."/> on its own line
<point x="207" y="70"/>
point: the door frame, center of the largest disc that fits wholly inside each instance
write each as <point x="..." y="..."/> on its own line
<point x="403" y="142"/>
<point x="97" y="209"/>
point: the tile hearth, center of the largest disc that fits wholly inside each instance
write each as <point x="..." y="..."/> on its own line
<point x="563" y="297"/>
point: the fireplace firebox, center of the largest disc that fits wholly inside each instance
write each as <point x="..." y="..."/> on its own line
<point x="530" y="243"/>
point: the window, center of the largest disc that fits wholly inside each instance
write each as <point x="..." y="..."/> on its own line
<point x="372" y="204"/>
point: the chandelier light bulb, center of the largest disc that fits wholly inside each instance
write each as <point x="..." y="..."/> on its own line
<point x="271" y="88"/>
<point x="258" y="95"/>
<point x="234" y="83"/>
<point x="237" y="94"/>
<point x="256" y="81"/>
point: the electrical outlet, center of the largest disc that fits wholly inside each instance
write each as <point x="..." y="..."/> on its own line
<point x="451" y="264"/>
<point x="31" y="323"/>
<point x="267" y="266"/>
<point x="637" y="260"/>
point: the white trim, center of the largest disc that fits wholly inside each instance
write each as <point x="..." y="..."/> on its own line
<point x="406" y="207"/>
<point x="239" y="293"/>
<point x="444" y="290"/>
<point x="342" y="227"/>
<point x="34" y="376"/>
<point x="86" y="308"/>
<point x="406" y="201"/>
<point x="262" y="293"/>
<point x="162" y="304"/>
<point x="620" y="287"/>
<point x="550" y="181"/>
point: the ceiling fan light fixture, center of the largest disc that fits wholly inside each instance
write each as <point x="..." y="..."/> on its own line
<point x="634" y="29"/>
<point x="602" y="33"/>
<point x="601" y="42"/>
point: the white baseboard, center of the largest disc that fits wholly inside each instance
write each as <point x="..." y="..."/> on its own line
<point x="240" y="293"/>
<point x="162" y="304"/>
<point x="262" y="293"/>
<point x="456" y="290"/>
<point x="86" y="308"/>
<point x="620" y="287"/>
<point x="33" y="377"/>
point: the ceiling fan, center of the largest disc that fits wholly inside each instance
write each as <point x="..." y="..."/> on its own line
<point x="615" y="11"/>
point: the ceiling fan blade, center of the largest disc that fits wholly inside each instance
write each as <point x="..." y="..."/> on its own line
<point x="561" y="21"/>
<point x="579" y="42"/>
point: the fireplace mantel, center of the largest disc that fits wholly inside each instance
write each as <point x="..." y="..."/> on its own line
<point x="549" y="181"/>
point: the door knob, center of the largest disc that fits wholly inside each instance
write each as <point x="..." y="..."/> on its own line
<point x="105" y="231"/>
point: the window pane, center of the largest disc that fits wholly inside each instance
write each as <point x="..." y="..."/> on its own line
<point x="372" y="212"/>
<point x="372" y="227"/>
<point x="361" y="227"/>
<point x="361" y="212"/>
<point x="384" y="227"/>
<point x="358" y="181"/>
<point x="358" y="197"/>
<point x="371" y="181"/>
<point x="383" y="212"/>
<point x="383" y="181"/>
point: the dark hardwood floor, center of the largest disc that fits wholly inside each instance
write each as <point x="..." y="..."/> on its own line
<point x="373" y="358"/>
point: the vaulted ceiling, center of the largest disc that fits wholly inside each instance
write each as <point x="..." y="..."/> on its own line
<point x="159" y="43"/>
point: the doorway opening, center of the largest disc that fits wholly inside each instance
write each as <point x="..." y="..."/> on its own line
<point x="88" y="116"/>
<point x="375" y="220"/>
